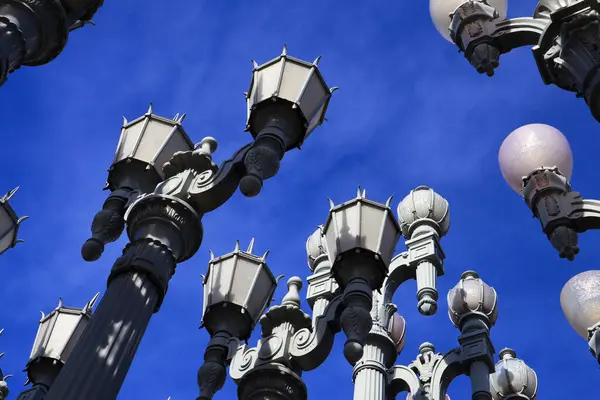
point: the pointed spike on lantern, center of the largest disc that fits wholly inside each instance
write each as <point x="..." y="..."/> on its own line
<point x="212" y="255"/>
<point x="364" y="194"/>
<point x="316" y="62"/>
<point x="237" y="245"/>
<point x="19" y="241"/>
<point x="280" y="277"/>
<point x="388" y="202"/>
<point x="331" y="204"/>
<point x="90" y="304"/>
<point x="60" y="303"/>
<point x="284" y="50"/>
<point x="358" y="192"/>
<point x="10" y="194"/>
<point x="254" y="64"/>
<point x="250" y="246"/>
<point x="181" y="118"/>
<point x="7" y="377"/>
<point x="245" y="95"/>
<point x="23" y="218"/>
<point x="150" y="110"/>
<point x="124" y="120"/>
<point x="43" y="315"/>
<point x="333" y="89"/>
<point x="1" y="331"/>
<point x="264" y="257"/>
<point x="176" y="117"/>
<point x="27" y="381"/>
<point x="2" y="354"/>
<point x="203" y="277"/>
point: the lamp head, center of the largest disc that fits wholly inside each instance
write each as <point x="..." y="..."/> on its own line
<point x="580" y="301"/>
<point x="531" y="147"/>
<point x="441" y="13"/>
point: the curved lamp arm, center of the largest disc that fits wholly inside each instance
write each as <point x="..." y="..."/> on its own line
<point x="311" y="347"/>
<point x="211" y="189"/>
<point x="402" y="379"/>
<point x="562" y="213"/>
<point x="477" y="29"/>
<point x="444" y="371"/>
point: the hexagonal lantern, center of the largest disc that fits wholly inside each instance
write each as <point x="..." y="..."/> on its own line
<point x="145" y="145"/>
<point x="9" y="223"/>
<point x="287" y="88"/>
<point x="238" y="287"/>
<point x="58" y="332"/>
<point x="361" y="236"/>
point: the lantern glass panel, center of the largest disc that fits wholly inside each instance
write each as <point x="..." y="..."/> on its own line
<point x="61" y="334"/>
<point x="293" y="80"/>
<point x="313" y="97"/>
<point x="176" y="142"/>
<point x="266" y="81"/>
<point x="263" y="290"/>
<point x="152" y="141"/>
<point x="129" y="138"/>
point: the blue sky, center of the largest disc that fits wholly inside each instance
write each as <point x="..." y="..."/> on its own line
<point x="411" y="111"/>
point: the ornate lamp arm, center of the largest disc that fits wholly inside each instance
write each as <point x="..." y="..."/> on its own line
<point x="482" y="35"/>
<point x="310" y="347"/>
<point x="402" y="379"/>
<point x="564" y="36"/>
<point x="562" y="212"/>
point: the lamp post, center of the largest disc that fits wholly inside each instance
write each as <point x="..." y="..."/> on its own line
<point x="537" y="163"/>
<point x="565" y="35"/>
<point x="34" y="32"/>
<point x="162" y="210"/>
<point x="346" y="292"/>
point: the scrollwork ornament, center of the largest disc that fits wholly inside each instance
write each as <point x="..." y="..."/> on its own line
<point x="243" y="361"/>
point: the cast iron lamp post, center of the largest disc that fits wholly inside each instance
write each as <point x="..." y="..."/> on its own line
<point x="161" y="185"/>
<point x="536" y="161"/>
<point x="354" y="277"/>
<point x="565" y="35"/>
<point x="34" y="32"/>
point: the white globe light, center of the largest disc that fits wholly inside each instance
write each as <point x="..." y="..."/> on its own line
<point x="530" y="147"/>
<point x="440" y="11"/>
<point x="580" y="301"/>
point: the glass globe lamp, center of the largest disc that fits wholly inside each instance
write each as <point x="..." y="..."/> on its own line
<point x="441" y="13"/>
<point x="531" y="147"/>
<point x="580" y="301"/>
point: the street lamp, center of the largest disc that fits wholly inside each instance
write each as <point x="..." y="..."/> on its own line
<point x="35" y="32"/>
<point x="345" y="281"/>
<point x="57" y="334"/>
<point x="161" y="185"/>
<point x="536" y="162"/>
<point x="580" y="301"/>
<point x="564" y="35"/>
<point x="9" y="223"/>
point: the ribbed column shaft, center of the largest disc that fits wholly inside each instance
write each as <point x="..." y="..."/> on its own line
<point x="370" y="379"/>
<point x="101" y="359"/>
